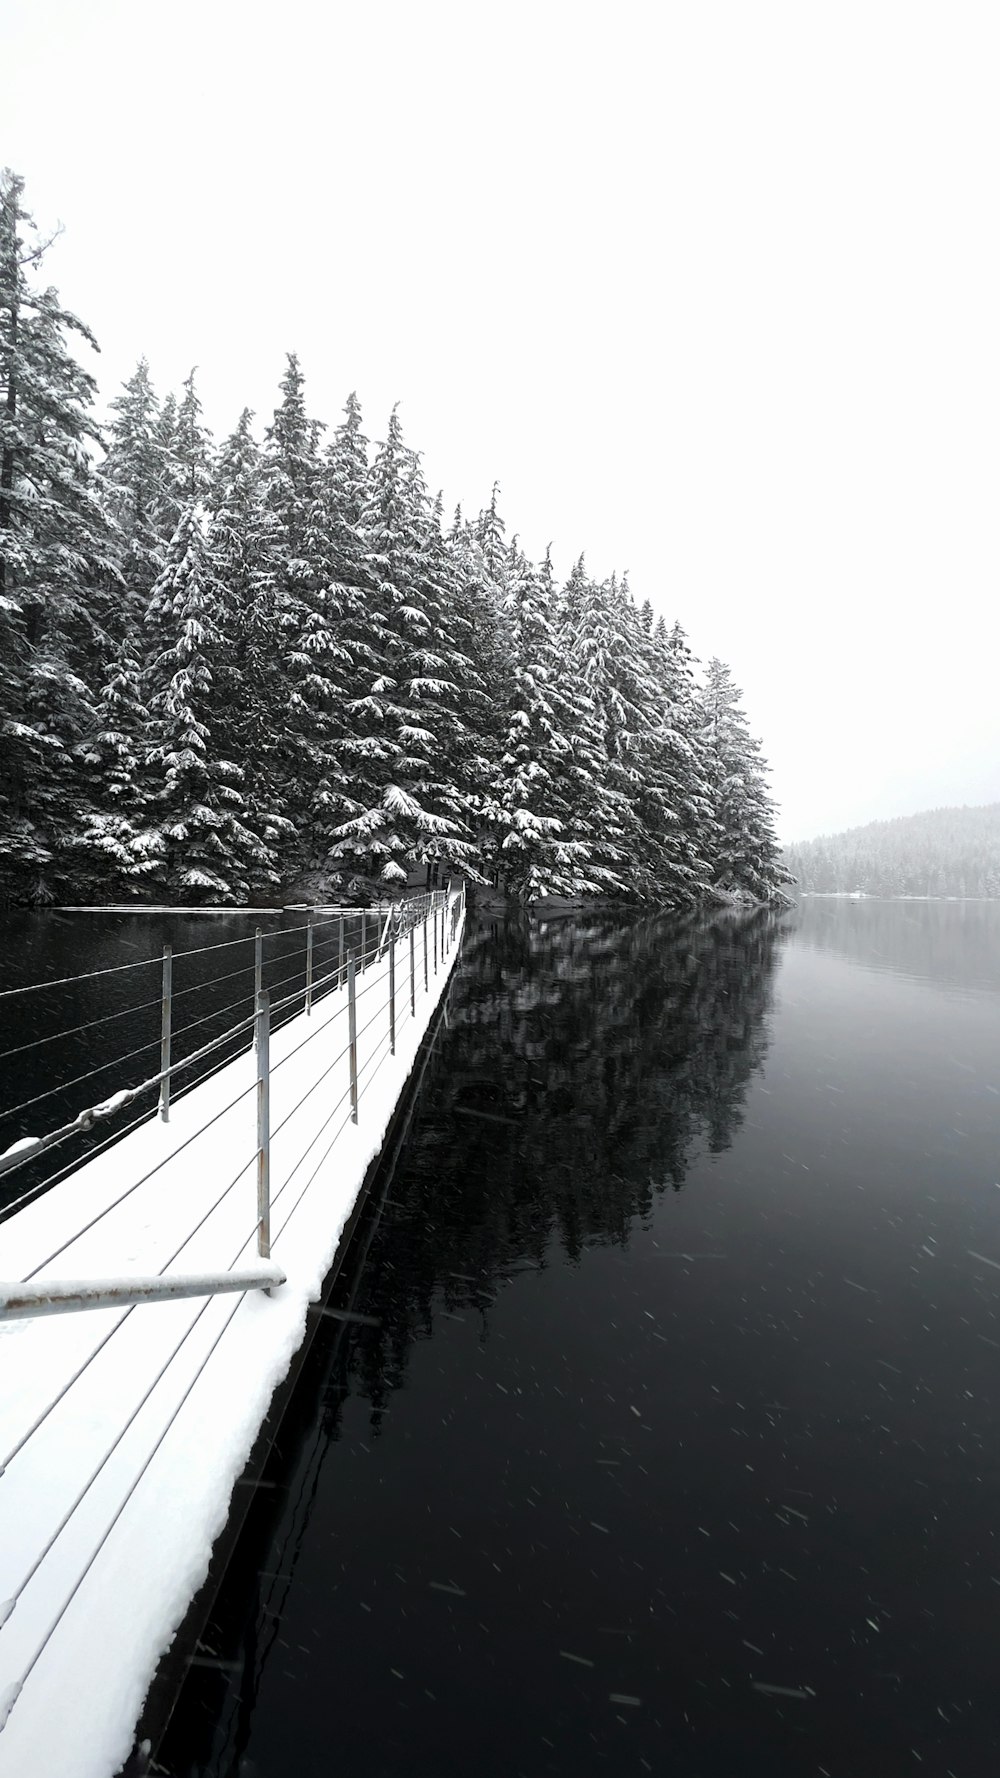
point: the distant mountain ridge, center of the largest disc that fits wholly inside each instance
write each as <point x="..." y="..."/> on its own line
<point x="952" y="851"/>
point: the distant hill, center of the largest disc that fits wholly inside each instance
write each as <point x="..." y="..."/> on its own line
<point x="939" y="852"/>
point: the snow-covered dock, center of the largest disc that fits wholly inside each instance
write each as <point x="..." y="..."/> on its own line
<point x="124" y="1428"/>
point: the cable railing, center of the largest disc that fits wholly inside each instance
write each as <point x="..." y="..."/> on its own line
<point x="319" y="968"/>
<point x="398" y="952"/>
<point x="421" y="927"/>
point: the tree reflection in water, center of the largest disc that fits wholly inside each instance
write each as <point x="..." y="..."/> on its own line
<point x="584" y="1064"/>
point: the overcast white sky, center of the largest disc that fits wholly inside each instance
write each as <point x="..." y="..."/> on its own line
<point x="712" y="289"/>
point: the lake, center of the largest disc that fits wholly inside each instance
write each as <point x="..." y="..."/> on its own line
<point x="668" y="1442"/>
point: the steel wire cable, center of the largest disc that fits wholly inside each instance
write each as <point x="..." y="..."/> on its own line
<point x="74" y="1030"/>
<point x="64" y="1085"/>
<point x="379" y="1009"/>
<point x="64" y="981"/>
<point x="55" y="1137"/>
<point x="317" y="1082"/>
<point x="317" y="1032"/>
<point x="207" y="1017"/>
<point x="334" y="1139"/>
<point x="135" y="1482"/>
<point x="367" y="1064"/>
<point x="225" y="944"/>
<point x="100" y="1346"/>
<point x="332" y="1113"/>
<point x="36" y="1191"/>
<point x="252" y="1088"/>
<point x="212" y="982"/>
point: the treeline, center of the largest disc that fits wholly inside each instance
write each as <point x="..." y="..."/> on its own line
<point x="939" y="852"/>
<point x="225" y="670"/>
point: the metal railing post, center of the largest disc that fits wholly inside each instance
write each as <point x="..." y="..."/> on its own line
<point x="413" y="972"/>
<point x="262" y="1032"/>
<point x="309" y="967"/>
<point x="392" y="994"/>
<point x="352" y="1035"/>
<point x="435" y="941"/>
<point x="258" y="971"/>
<point x="364" y="940"/>
<point x="426" y="976"/>
<point x="340" y="955"/>
<point x="165" y="1011"/>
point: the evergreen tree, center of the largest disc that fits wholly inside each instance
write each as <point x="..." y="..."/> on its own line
<point x="529" y="807"/>
<point x="130" y="479"/>
<point x="56" y="564"/>
<point x="400" y="813"/>
<point x="192" y="449"/>
<point x="490" y="537"/>
<point x="309" y="613"/>
<point x="249" y="700"/>
<point x="195" y="843"/>
<point x="169" y="498"/>
<point x="746" y="853"/>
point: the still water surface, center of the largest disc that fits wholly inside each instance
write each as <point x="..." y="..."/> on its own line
<point x="670" y="1444"/>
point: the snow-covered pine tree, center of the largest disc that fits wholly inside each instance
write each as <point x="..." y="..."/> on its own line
<point x="672" y="803"/>
<point x="314" y="660"/>
<point x="168" y="501"/>
<point x="355" y="662"/>
<point x="192" y="448"/>
<point x="482" y="630"/>
<point x="609" y="642"/>
<point x="597" y="803"/>
<point x="747" y="856"/>
<point x="56" y="566"/>
<point x="249" y="704"/>
<point x="397" y="808"/>
<point x="195" y="843"/>
<point x="490" y="530"/>
<point x="530" y="804"/>
<point x="447" y="693"/>
<point x="130" y="480"/>
<point x="113" y="752"/>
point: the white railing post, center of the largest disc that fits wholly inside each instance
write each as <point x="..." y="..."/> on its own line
<point x="426" y="976"/>
<point x="413" y="972"/>
<point x="165" y="1013"/>
<point x="392" y="994"/>
<point x="309" y="967"/>
<point x="435" y="941"/>
<point x="262" y="1023"/>
<point x="352" y="1035"/>
<point x="364" y="940"/>
<point x="340" y="954"/>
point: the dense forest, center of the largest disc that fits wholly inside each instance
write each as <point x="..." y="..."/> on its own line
<point x="228" y="671"/>
<point x="939" y="852"/>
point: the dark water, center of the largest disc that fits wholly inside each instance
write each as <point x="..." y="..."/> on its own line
<point x="682" y="1386"/>
<point x="69" y="1046"/>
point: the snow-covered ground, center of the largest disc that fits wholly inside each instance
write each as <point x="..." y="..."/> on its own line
<point x="123" y="1432"/>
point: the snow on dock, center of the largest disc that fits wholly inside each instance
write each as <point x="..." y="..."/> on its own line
<point x="123" y="1430"/>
